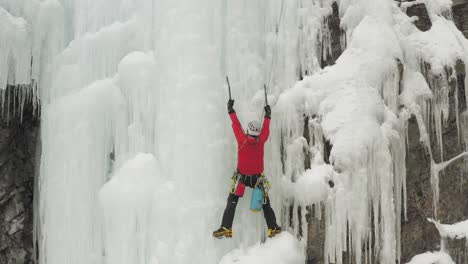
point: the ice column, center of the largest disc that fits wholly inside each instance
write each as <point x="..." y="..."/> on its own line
<point x="77" y="135"/>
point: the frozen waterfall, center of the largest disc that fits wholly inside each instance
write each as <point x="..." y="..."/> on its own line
<point x="137" y="148"/>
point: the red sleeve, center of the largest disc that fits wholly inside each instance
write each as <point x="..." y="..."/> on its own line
<point x="265" y="130"/>
<point x="237" y="128"/>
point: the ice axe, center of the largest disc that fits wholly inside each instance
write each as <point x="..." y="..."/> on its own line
<point x="229" y="87"/>
<point x="266" y="98"/>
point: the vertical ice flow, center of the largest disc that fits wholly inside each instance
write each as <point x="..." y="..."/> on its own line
<point x="137" y="145"/>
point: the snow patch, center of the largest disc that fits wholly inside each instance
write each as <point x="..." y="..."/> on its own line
<point x="126" y="207"/>
<point x="281" y="249"/>
<point x="454" y="231"/>
<point x="432" y="258"/>
<point x="434" y="7"/>
<point x="440" y="46"/>
<point x="312" y="186"/>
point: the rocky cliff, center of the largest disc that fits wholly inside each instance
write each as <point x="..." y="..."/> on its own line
<point x="18" y="149"/>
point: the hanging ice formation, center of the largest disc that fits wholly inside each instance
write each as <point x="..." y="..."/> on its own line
<point x="119" y="78"/>
<point x="362" y="106"/>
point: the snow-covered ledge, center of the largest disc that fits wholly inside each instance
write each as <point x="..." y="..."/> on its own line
<point x="453" y="239"/>
<point x="448" y="254"/>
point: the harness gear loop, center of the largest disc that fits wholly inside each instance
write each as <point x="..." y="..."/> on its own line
<point x="264" y="185"/>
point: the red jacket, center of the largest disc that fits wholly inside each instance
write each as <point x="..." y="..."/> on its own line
<point x="250" y="149"/>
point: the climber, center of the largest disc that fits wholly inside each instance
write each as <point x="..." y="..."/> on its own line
<point x="249" y="171"/>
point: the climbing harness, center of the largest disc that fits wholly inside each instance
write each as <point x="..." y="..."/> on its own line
<point x="238" y="186"/>
<point x="265" y="186"/>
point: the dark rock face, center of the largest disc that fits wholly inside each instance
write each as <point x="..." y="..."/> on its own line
<point x="333" y="23"/>
<point x="419" y="235"/>
<point x="419" y="10"/>
<point x="460" y="15"/>
<point x="18" y="140"/>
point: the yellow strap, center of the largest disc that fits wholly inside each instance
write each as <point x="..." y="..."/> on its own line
<point x="266" y="185"/>
<point x="233" y="183"/>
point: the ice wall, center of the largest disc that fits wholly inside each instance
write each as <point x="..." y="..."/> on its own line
<point x="138" y="151"/>
<point x="78" y="132"/>
<point x="15" y="53"/>
<point x="31" y="34"/>
<point x="154" y="72"/>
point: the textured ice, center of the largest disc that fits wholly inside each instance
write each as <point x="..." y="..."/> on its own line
<point x="346" y="98"/>
<point x="414" y="97"/>
<point x="92" y="56"/>
<point x="80" y="129"/>
<point x="120" y="77"/>
<point x="126" y="202"/>
<point x="15" y="51"/>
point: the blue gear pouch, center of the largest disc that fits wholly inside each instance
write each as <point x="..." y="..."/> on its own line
<point x="256" y="201"/>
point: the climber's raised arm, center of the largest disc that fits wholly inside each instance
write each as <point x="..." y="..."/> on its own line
<point x="236" y="125"/>
<point x="266" y="125"/>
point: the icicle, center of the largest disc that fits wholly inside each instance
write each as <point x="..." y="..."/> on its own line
<point x="464" y="129"/>
<point x="390" y="87"/>
<point x="325" y="40"/>
<point x="343" y="40"/>
<point x="314" y="38"/>
<point x="466" y="85"/>
<point x="440" y="107"/>
<point x="15" y="54"/>
<point x="457" y="112"/>
<point x="435" y="170"/>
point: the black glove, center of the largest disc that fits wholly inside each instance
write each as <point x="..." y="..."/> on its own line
<point x="230" y="106"/>
<point x="267" y="111"/>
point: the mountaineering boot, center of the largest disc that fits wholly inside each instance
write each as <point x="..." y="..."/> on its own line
<point x="274" y="231"/>
<point x="223" y="232"/>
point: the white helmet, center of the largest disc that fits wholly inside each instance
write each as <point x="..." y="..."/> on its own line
<point x="254" y="128"/>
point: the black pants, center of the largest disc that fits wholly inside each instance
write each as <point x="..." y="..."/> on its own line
<point x="228" y="216"/>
